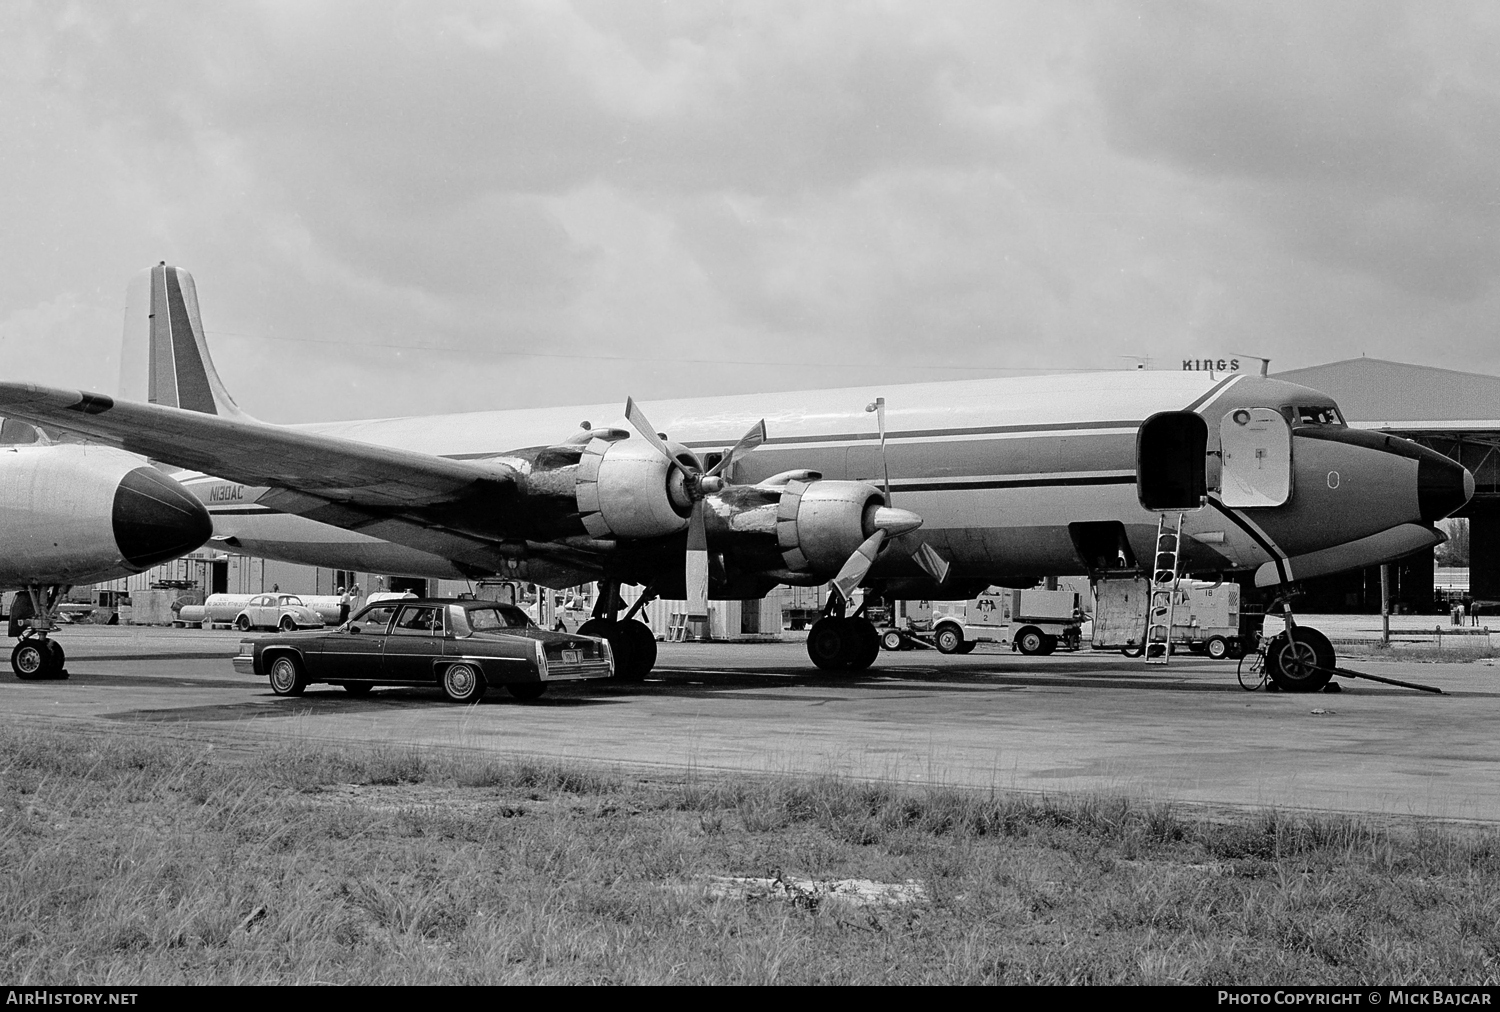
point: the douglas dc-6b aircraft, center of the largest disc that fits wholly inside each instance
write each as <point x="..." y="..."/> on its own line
<point x="931" y="490"/>
<point x="73" y="514"/>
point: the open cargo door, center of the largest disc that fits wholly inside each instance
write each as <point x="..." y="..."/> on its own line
<point x="1257" y="445"/>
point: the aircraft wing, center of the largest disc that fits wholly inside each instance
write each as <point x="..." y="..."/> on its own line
<point x="323" y="469"/>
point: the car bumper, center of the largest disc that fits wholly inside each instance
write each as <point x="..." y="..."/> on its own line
<point x="245" y="665"/>
<point x="576" y="672"/>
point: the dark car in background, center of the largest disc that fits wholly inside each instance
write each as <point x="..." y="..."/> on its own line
<point x="462" y="646"/>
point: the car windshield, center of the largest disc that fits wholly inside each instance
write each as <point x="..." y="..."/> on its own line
<point x="501" y="616"/>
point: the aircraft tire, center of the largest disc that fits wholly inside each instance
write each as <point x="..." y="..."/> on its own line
<point x="527" y="691"/>
<point x="28" y="660"/>
<point x="56" y="659"/>
<point x="863" y="644"/>
<point x="891" y="639"/>
<point x="948" y="639"/>
<point x="825" y="643"/>
<point x="619" y="642"/>
<point x="642" y="650"/>
<point x="1298" y="660"/>
<point x="1031" y="641"/>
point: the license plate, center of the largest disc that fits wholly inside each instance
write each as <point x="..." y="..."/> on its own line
<point x="572" y="656"/>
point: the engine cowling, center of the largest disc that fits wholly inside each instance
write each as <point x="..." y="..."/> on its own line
<point x="625" y="488"/>
<point x="72" y="514"/>
<point x="819" y="524"/>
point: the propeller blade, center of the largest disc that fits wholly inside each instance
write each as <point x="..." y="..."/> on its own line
<point x="697" y="564"/>
<point x="933" y="564"/>
<point x="858" y="564"/>
<point x="637" y="418"/>
<point x="748" y="442"/>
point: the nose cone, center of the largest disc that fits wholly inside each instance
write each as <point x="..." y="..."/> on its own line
<point x="1442" y="486"/>
<point x="156" y="519"/>
<point x="893" y="521"/>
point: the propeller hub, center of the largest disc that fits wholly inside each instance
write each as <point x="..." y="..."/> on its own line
<point x="893" y="521"/>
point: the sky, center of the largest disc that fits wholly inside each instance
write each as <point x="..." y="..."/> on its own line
<point x="406" y="208"/>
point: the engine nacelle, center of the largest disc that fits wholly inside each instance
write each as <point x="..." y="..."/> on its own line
<point x="626" y="489"/>
<point x="819" y="524"/>
<point x="77" y="514"/>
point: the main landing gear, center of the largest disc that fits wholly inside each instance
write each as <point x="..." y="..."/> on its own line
<point x="839" y="643"/>
<point x="633" y="643"/>
<point x="33" y="615"/>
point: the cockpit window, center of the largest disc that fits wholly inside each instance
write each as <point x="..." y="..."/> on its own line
<point x="1322" y="414"/>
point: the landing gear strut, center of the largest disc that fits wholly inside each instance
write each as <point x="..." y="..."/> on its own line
<point x="633" y="643"/>
<point x="33" y="615"/>
<point x="840" y="643"/>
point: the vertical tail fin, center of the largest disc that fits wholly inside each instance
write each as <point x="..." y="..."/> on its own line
<point x="164" y="357"/>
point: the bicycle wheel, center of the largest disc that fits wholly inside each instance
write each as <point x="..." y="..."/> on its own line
<point x="1251" y="671"/>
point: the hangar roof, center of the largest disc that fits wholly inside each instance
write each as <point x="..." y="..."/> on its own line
<point x="1374" y="393"/>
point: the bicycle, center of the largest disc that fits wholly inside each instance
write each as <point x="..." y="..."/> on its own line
<point x="1252" y="670"/>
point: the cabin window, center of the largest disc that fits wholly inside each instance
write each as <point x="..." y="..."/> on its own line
<point x="1257" y="447"/>
<point x="1170" y="452"/>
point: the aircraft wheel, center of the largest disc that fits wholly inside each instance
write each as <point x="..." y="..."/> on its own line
<point x="287" y="678"/>
<point x="358" y="688"/>
<point x="527" y="691"/>
<point x="288" y="624"/>
<point x="948" y="640"/>
<point x="1217" y="648"/>
<point x="641" y="649"/>
<point x="56" y="658"/>
<point x="892" y="640"/>
<point x="968" y="646"/>
<point x="242" y="623"/>
<point x="862" y="643"/>
<point x="825" y="643"/>
<point x="1031" y="641"/>
<point x="29" y="660"/>
<point x="462" y="683"/>
<point x="619" y="642"/>
<point x="1298" y="660"/>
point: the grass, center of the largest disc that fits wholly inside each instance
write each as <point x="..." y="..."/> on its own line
<point x="129" y="860"/>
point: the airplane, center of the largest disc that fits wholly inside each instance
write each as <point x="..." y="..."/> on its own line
<point x="74" y="514"/>
<point x="999" y="482"/>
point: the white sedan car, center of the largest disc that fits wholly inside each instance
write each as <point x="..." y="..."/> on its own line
<point x="277" y="611"/>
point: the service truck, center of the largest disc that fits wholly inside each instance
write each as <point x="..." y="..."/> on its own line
<point x="1031" y="621"/>
<point x="1206" y="618"/>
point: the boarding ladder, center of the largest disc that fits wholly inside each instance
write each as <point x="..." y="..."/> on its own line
<point x="1164" y="579"/>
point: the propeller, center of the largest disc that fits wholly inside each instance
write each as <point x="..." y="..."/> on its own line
<point x="932" y="563"/>
<point x="696" y="485"/>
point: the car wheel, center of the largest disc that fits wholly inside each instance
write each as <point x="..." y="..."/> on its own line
<point x="288" y="624"/>
<point x="1031" y="641"/>
<point x="825" y="643"/>
<point x="358" y="688"/>
<point x="242" y="623"/>
<point x="462" y="683"/>
<point x="948" y="639"/>
<point x="28" y="660"/>
<point x="1217" y="648"/>
<point x="527" y="691"/>
<point x="891" y="639"/>
<point x="287" y="678"/>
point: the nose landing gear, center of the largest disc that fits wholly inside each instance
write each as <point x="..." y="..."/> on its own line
<point x="33" y="615"/>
